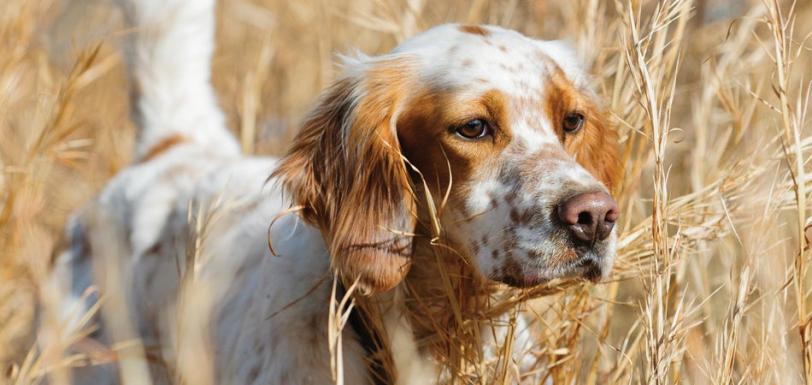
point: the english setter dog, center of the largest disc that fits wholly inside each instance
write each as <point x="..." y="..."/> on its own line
<point x="468" y="159"/>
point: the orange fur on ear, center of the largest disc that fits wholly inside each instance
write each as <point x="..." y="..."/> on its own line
<point x="346" y="169"/>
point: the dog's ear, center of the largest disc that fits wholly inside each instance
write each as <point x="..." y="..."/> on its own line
<point x="346" y="169"/>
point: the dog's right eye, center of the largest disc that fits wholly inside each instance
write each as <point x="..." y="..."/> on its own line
<point x="573" y="122"/>
<point x="474" y="129"/>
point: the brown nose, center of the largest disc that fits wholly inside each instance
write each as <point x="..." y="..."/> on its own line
<point x="589" y="216"/>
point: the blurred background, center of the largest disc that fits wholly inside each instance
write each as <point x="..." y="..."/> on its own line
<point x="711" y="98"/>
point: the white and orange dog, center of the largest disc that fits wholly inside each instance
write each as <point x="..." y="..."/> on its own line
<point x="475" y="140"/>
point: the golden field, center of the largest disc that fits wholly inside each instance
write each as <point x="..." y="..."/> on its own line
<point x="711" y="98"/>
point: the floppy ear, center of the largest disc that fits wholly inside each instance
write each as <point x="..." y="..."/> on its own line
<point x="345" y="168"/>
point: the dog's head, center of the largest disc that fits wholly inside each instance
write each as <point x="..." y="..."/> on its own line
<point x="503" y="132"/>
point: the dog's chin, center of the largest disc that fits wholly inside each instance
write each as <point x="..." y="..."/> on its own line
<point x="585" y="267"/>
<point x="525" y="280"/>
<point x="590" y="270"/>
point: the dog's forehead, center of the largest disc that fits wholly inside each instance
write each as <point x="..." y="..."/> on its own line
<point x="490" y="57"/>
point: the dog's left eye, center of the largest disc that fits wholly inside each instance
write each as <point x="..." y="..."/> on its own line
<point x="474" y="129"/>
<point x="572" y="122"/>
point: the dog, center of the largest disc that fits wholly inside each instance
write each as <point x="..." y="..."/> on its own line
<point x="468" y="159"/>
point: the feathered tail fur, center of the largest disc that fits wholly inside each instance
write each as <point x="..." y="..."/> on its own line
<point x="169" y="58"/>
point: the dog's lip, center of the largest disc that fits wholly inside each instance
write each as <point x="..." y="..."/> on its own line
<point x="590" y="269"/>
<point x="585" y="267"/>
<point x="526" y="280"/>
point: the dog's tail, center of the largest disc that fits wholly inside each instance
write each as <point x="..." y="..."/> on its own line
<point x="169" y="55"/>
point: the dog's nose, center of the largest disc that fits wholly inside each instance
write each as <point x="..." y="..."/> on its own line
<point x="589" y="216"/>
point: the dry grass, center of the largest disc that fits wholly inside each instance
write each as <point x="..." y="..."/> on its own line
<point x="711" y="99"/>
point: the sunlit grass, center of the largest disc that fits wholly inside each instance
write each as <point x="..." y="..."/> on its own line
<point x="711" y="285"/>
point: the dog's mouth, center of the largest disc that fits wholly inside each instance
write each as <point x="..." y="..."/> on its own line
<point x="586" y="267"/>
<point x="589" y="269"/>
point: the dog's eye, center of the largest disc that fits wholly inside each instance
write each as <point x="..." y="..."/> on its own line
<point x="474" y="129"/>
<point x="572" y="122"/>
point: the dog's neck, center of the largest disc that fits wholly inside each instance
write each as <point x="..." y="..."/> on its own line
<point x="432" y="323"/>
<point x="445" y="299"/>
<point x="434" y="320"/>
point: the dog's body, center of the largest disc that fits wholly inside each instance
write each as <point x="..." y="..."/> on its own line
<point x="259" y="284"/>
<point x="193" y="207"/>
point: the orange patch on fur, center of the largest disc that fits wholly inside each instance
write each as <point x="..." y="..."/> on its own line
<point x="595" y="146"/>
<point x="164" y="145"/>
<point x="426" y="132"/>
<point x="474" y="30"/>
